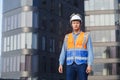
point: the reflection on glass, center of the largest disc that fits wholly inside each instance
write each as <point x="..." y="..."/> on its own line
<point x="15" y="42"/>
<point x="28" y="42"/>
<point x="43" y="43"/>
<point x="11" y="65"/>
<point x="105" y="69"/>
<point x="22" y="63"/>
<point x="34" y="41"/>
<point x="5" y="44"/>
<point x="103" y="36"/>
<point x="18" y="41"/>
<point x="11" y="44"/>
<point x="100" y="20"/>
<point x="22" y="40"/>
<point x="104" y="52"/>
<point x="7" y="64"/>
<point x="100" y="4"/>
<point x="18" y="63"/>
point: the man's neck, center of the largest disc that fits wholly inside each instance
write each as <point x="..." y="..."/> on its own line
<point x="76" y="32"/>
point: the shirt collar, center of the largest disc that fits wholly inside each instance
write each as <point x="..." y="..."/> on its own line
<point x="77" y="33"/>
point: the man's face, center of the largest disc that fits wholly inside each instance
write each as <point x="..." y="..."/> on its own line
<point x="75" y="25"/>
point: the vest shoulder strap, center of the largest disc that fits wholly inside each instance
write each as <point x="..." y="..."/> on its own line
<point x="86" y="36"/>
<point x="66" y="36"/>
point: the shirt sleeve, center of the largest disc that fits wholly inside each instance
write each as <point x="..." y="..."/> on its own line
<point x="90" y="51"/>
<point x="62" y="54"/>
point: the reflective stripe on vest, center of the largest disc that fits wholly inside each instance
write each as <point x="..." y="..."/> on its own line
<point x="76" y="52"/>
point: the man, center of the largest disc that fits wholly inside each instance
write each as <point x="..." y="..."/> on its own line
<point x="77" y="50"/>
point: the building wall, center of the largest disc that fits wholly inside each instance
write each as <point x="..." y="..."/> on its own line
<point x="19" y="39"/>
<point x="53" y="24"/>
<point x="101" y="17"/>
<point x="32" y="36"/>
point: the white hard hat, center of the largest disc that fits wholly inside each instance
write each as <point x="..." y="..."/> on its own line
<point x="75" y="17"/>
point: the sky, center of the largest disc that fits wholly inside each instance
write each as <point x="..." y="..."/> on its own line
<point x="0" y="23"/>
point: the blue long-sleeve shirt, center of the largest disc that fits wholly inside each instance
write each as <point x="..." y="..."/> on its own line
<point x="89" y="48"/>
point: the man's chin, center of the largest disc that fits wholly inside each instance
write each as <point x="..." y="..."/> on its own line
<point x="76" y="29"/>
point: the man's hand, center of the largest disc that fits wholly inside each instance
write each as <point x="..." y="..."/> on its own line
<point x="89" y="69"/>
<point x="60" y="69"/>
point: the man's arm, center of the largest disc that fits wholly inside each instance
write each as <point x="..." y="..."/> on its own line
<point x="90" y="55"/>
<point x="62" y="57"/>
<point x="90" y="52"/>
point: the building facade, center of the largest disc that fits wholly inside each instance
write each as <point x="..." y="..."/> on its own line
<point x="102" y="19"/>
<point x="32" y="36"/>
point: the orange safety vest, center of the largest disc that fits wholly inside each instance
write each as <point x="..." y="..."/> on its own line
<point x="76" y="52"/>
<point x="80" y="41"/>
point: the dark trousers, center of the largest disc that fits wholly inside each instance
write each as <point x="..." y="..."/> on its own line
<point x="76" y="72"/>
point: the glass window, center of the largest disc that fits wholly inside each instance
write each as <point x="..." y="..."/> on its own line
<point x="7" y="64"/>
<point x="101" y="4"/>
<point x="97" y="20"/>
<point x="43" y="43"/>
<point x="23" y="19"/>
<point x="8" y="23"/>
<point x="111" y="4"/>
<point x="15" y="42"/>
<point x="35" y="20"/>
<point x="52" y="6"/>
<point x="106" y="36"/>
<point x="103" y="52"/>
<point x="60" y="9"/>
<point x="112" y="19"/>
<point x="98" y="69"/>
<point x="43" y="24"/>
<point x="44" y="2"/>
<point x="26" y="2"/>
<point x="12" y="22"/>
<point x="29" y="19"/>
<point x="87" y="19"/>
<point x="104" y="69"/>
<point x="11" y="42"/>
<point x="92" y="20"/>
<point x="34" y="41"/>
<point x="15" y="21"/>
<point x="5" y="24"/>
<point x="107" y="19"/>
<point x="101" y="20"/>
<point x="52" y="62"/>
<point x="23" y="40"/>
<point x="11" y="64"/>
<point x="28" y="63"/>
<point x="35" y="63"/>
<point x="52" y="45"/>
<point x="44" y="62"/>
<point x="91" y="5"/>
<point x="113" y="37"/>
<point x="19" y="20"/>
<point x="28" y="40"/>
<point x="18" y="63"/>
<point x="14" y="64"/>
<point x="22" y="63"/>
<point x="5" y="44"/>
<point x="116" y="4"/>
<point x="18" y="41"/>
<point x="86" y="5"/>
<point x="4" y="63"/>
<point x="26" y="19"/>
